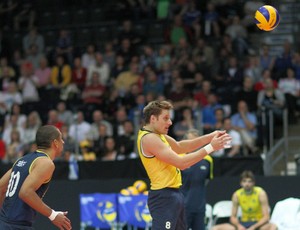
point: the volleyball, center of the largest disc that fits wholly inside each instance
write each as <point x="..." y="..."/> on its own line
<point x="140" y="185"/>
<point x="267" y="18"/>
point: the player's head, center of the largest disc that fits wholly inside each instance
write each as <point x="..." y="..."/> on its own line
<point x="47" y="135"/>
<point x="155" y="108"/>
<point x="247" y="180"/>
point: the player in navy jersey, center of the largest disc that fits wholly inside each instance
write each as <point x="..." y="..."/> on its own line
<point x="23" y="187"/>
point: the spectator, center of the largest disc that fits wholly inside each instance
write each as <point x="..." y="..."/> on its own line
<point x="64" y="46"/>
<point x="211" y="21"/>
<point x="202" y="96"/>
<point x="93" y="96"/>
<point x="32" y="124"/>
<point x="125" y="79"/>
<point x="79" y="74"/>
<point x="185" y="123"/>
<point x="14" y="149"/>
<point x="53" y="119"/>
<point x="97" y="120"/>
<point x="126" y="50"/>
<point x="16" y="110"/>
<point x="120" y="117"/>
<point x="12" y="126"/>
<point x="79" y="128"/>
<point x="101" y="67"/>
<point x="152" y="85"/>
<point x="245" y="123"/>
<point x="11" y="96"/>
<point x="99" y="142"/>
<point x="260" y="85"/>
<point x="253" y="68"/>
<point x="162" y="57"/>
<point x="33" y="56"/>
<point x="271" y="99"/>
<point x="109" y="54"/>
<point x="126" y="142"/>
<point x="118" y="68"/>
<point x="89" y="56"/>
<point x="204" y="49"/>
<point x="64" y="114"/>
<point x="43" y="73"/>
<point x="266" y="60"/>
<point x="110" y="150"/>
<point x="86" y="151"/>
<point x="28" y="84"/>
<point x="253" y="201"/>
<point x="290" y="87"/>
<point x="33" y="37"/>
<point x="127" y="32"/>
<point x="247" y="94"/>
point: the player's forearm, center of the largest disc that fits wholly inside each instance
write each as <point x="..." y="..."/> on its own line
<point x="35" y="202"/>
<point x="192" y="145"/>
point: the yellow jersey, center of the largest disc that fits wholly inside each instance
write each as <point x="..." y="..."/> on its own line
<point x="250" y="204"/>
<point x="161" y="174"/>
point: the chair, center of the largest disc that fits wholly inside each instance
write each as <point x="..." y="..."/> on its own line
<point x="221" y="211"/>
<point x="208" y="216"/>
<point x="286" y="214"/>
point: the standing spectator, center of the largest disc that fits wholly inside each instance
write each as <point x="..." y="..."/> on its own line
<point x="109" y="55"/>
<point x="194" y="181"/>
<point x="211" y="21"/>
<point x="33" y="56"/>
<point x="253" y="201"/>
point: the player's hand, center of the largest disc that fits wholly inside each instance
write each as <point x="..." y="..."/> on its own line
<point x="220" y="140"/>
<point x="62" y="221"/>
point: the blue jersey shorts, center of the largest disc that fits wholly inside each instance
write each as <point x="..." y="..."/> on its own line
<point x="166" y="207"/>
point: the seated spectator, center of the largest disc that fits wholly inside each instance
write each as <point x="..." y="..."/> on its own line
<point x="253" y="201"/>
<point x="43" y="73"/>
<point x="208" y="113"/>
<point x="14" y="148"/>
<point x="127" y="51"/>
<point x="70" y="146"/>
<point x="253" y="68"/>
<point x="16" y="110"/>
<point x="64" y="46"/>
<point x="33" y="37"/>
<point x="202" y="95"/>
<point x="260" y="85"/>
<point x="120" y="117"/>
<point x="126" y="142"/>
<point x="101" y="67"/>
<point x="60" y="78"/>
<point x="118" y="68"/>
<point x="184" y="123"/>
<point x="10" y="127"/>
<point x="110" y="150"/>
<point x="93" y="96"/>
<point x="79" y="128"/>
<point x="109" y="54"/>
<point x="271" y="99"/>
<point x="235" y="148"/>
<point x="266" y="60"/>
<point x="283" y="61"/>
<point x="152" y="85"/>
<point x="79" y="75"/>
<point x="53" y="119"/>
<point x="63" y="113"/>
<point x="125" y="79"/>
<point x="10" y="72"/>
<point x="89" y="56"/>
<point x="248" y="94"/>
<point x="33" y="56"/>
<point x="33" y="122"/>
<point x="99" y="142"/>
<point x="245" y="123"/>
<point x="97" y="120"/>
<point x="162" y="57"/>
<point x="11" y="96"/>
<point x="290" y="87"/>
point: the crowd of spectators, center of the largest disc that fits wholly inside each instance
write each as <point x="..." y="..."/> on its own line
<point x="205" y="63"/>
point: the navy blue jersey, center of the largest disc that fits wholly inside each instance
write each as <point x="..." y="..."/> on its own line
<point x="193" y="185"/>
<point x="14" y="210"/>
